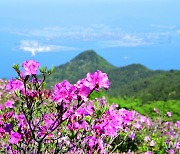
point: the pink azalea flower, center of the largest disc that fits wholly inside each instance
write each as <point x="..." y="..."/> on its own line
<point x="147" y="138"/>
<point x="2" y="131"/>
<point x="68" y="112"/>
<point x="85" y="110"/>
<point x="155" y="110"/>
<point x="81" y="124"/>
<point x="83" y="90"/>
<point x="15" y="137"/>
<point x="48" y="123"/>
<point x="178" y="145"/>
<point x="171" y="151"/>
<point x="9" y="104"/>
<point x="137" y="125"/>
<point x="64" y="91"/>
<point x="132" y="135"/>
<point x="97" y="80"/>
<point x="109" y="128"/>
<point x="14" y="85"/>
<point x="1" y="107"/>
<point x="101" y="145"/>
<point x="152" y="143"/>
<point x="178" y="124"/>
<point x="169" y="114"/>
<point x="8" y="115"/>
<point x="91" y="141"/>
<point x="30" y="67"/>
<point x="148" y="152"/>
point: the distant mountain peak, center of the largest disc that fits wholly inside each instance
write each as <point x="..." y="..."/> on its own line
<point x="90" y="60"/>
<point x="87" y="61"/>
<point x="87" y="55"/>
<point x="88" y="52"/>
<point x="137" y="66"/>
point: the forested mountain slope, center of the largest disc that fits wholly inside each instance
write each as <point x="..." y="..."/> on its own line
<point x="134" y="80"/>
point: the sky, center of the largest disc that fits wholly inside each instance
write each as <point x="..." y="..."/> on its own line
<point x="122" y="31"/>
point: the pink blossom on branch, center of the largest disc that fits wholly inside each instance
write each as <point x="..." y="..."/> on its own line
<point x="83" y="91"/>
<point x="15" y="137"/>
<point x="9" y="104"/>
<point x="30" y="67"/>
<point x="64" y="91"/>
<point x="97" y="80"/>
<point x="14" y="85"/>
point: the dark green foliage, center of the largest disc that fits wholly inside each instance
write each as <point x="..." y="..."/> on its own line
<point x="99" y="94"/>
<point x="125" y="143"/>
<point x="140" y="82"/>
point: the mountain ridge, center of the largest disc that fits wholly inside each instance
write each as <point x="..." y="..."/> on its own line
<point x="134" y="80"/>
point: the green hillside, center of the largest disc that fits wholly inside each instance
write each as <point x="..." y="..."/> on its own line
<point x="140" y="82"/>
<point x="130" y="81"/>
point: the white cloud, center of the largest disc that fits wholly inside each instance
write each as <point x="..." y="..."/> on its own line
<point x="35" y="47"/>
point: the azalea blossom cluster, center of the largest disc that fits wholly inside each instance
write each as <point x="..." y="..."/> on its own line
<point x="64" y="120"/>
